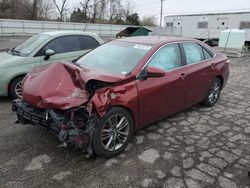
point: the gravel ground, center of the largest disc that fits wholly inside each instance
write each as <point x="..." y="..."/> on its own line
<point x="198" y="147"/>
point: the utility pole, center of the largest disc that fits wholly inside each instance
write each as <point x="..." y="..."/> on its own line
<point x="161" y="11"/>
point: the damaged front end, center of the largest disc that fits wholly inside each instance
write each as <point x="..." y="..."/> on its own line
<point x="73" y="127"/>
<point x="58" y="97"/>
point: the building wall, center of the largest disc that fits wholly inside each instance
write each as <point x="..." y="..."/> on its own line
<point x="187" y="25"/>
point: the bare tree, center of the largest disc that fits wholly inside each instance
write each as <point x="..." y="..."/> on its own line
<point x="85" y="8"/>
<point x="103" y="9"/>
<point x="129" y="7"/>
<point x="149" y="21"/>
<point x="26" y="9"/>
<point x="61" y="9"/>
<point x="4" y="5"/>
<point x="31" y="8"/>
<point x="98" y="7"/>
<point x="45" y="9"/>
<point x="114" y="9"/>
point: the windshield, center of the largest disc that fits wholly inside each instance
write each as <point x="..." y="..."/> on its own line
<point x="115" y="57"/>
<point x="28" y="46"/>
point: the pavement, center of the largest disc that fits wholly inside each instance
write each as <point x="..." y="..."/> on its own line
<point x="198" y="147"/>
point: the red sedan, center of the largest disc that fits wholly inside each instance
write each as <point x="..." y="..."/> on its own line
<point x="100" y="100"/>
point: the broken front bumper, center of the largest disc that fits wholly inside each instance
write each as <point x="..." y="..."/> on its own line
<point x="27" y="114"/>
<point x="67" y="132"/>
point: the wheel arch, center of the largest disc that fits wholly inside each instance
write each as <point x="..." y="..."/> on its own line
<point x="221" y="79"/>
<point x="127" y="109"/>
<point x="12" y="79"/>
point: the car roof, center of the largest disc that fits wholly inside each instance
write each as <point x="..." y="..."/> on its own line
<point x="67" y="32"/>
<point x="155" y="40"/>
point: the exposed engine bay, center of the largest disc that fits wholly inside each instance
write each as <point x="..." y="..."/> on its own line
<point x="73" y="127"/>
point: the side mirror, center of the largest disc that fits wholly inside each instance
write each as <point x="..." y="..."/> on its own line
<point x="155" y="72"/>
<point x="49" y="53"/>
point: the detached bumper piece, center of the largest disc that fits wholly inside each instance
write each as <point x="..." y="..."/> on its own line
<point x="27" y="114"/>
<point x="73" y="126"/>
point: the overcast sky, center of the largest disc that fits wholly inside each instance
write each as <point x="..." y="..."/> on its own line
<point x="152" y="7"/>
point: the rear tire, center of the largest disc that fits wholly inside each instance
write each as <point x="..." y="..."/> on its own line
<point x="15" y="88"/>
<point x="113" y="132"/>
<point x="213" y="93"/>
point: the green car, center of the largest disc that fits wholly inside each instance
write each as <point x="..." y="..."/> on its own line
<point x="40" y="50"/>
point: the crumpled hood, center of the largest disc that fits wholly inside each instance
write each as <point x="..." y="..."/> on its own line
<point x="8" y="60"/>
<point x="60" y="85"/>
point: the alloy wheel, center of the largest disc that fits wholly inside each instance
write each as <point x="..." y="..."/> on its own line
<point x="18" y="89"/>
<point x="115" y="132"/>
<point x="214" y="92"/>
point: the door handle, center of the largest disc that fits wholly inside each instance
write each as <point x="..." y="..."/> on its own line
<point x="183" y="76"/>
<point x="212" y="65"/>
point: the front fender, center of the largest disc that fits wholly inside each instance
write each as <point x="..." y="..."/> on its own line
<point x="123" y="95"/>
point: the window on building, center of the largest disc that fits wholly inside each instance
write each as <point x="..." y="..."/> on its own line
<point x="170" y="24"/>
<point x="202" y="25"/>
<point x="244" y="25"/>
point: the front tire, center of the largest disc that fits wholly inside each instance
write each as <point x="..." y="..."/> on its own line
<point x="113" y="132"/>
<point x="15" y="88"/>
<point x="213" y="93"/>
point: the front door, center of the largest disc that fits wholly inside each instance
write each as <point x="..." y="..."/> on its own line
<point x="159" y="97"/>
<point x="66" y="48"/>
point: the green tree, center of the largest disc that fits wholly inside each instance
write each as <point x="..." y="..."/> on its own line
<point x="78" y="16"/>
<point x="133" y="19"/>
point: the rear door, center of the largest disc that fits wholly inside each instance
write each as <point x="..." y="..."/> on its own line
<point x="200" y="72"/>
<point x="159" y="97"/>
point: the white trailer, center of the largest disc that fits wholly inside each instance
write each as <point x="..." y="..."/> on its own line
<point x="206" y="26"/>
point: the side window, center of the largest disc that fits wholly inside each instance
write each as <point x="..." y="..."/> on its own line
<point x="63" y="45"/>
<point x="167" y="58"/>
<point x="207" y="54"/>
<point x="88" y="42"/>
<point x="193" y="52"/>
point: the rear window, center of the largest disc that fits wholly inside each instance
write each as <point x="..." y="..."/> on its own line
<point x="193" y="52"/>
<point x="207" y="54"/>
<point x="88" y="42"/>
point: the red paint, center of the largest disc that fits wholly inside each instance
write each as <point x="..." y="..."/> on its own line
<point x="148" y="100"/>
<point x="60" y="85"/>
